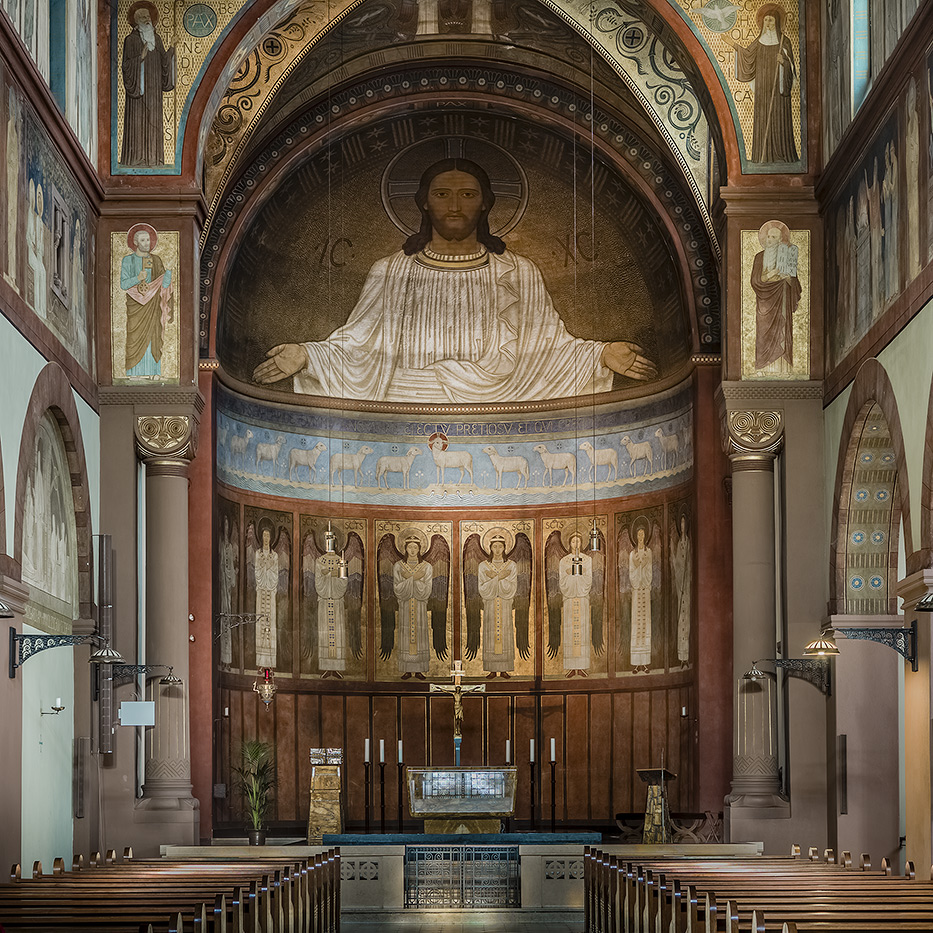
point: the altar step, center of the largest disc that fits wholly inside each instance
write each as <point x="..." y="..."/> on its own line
<point x="462" y="921"/>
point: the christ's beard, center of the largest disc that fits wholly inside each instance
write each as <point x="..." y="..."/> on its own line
<point x="147" y="34"/>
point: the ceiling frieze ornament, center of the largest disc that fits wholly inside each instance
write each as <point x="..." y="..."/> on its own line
<point x="753" y="432"/>
<point x="161" y="437"/>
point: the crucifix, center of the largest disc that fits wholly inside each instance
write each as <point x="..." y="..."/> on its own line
<point x="456" y="689"/>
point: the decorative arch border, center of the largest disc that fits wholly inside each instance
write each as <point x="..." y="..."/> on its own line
<point x="872" y="386"/>
<point x="243" y="36"/>
<point x="52" y="393"/>
<point x="314" y="130"/>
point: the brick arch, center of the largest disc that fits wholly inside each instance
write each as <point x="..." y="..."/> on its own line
<point x="872" y="393"/>
<point x="52" y="393"/>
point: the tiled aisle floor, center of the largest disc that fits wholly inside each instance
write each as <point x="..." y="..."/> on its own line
<point x="463" y="921"/>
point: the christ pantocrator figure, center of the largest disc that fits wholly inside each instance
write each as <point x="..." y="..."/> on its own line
<point x="454" y="317"/>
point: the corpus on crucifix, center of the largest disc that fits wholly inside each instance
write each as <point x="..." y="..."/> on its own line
<point x="456" y="689"/>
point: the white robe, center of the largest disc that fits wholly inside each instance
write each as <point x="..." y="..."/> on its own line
<point x="331" y="614"/>
<point x="575" y="612"/>
<point x="389" y="348"/>
<point x="682" y="565"/>
<point x="498" y="622"/>
<point x="267" y="585"/>
<point x="640" y="572"/>
<point x="414" y="636"/>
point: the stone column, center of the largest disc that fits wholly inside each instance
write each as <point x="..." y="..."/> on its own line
<point x="167" y="444"/>
<point x="753" y="440"/>
<point x="918" y="704"/>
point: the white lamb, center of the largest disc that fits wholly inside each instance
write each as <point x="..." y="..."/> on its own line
<point x="401" y="465"/>
<point x="669" y="447"/>
<point x="341" y="461"/>
<point x="502" y="465"/>
<point x="269" y="452"/>
<point x="299" y="457"/>
<point x="461" y="460"/>
<point x="557" y="461"/>
<point x="238" y="446"/>
<point x="641" y="451"/>
<point x="604" y="456"/>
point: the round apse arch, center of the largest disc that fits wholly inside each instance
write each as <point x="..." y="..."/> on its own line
<point x="607" y="263"/>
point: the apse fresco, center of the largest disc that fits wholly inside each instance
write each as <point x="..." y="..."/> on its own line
<point x="618" y="449"/>
<point x="531" y="313"/>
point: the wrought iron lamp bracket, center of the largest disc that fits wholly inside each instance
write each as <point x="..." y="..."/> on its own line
<point x="231" y="620"/>
<point x="817" y="672"/>
<point x="124" y="673"/>
<point x="902" y="640"/>
<point x="23" y="647"/>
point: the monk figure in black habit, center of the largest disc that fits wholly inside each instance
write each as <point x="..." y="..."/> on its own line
<point x="148" y="72"/>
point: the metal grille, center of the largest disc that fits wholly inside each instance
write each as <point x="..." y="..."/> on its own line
<point x="462" y="876"/>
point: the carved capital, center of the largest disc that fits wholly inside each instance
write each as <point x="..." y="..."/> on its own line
<point x="753" y="434"/>
<point x="166" y="438"/>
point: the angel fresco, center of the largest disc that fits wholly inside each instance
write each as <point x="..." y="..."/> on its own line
<point x="575" y="601"/>
<point x="413" y="595"/>
<point x="334" y="603"/>
<point x="227" y="572"/>
<point x="640" y="579"/>
<point x="497" y="593"/>
<point x="267" y="567"/>
<point x="681" y="558"/>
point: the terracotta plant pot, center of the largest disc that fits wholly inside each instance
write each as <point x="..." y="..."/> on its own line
<point x="257" y="837"/>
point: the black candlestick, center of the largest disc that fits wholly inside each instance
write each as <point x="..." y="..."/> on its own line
<point x="553" y="794"/>
<point x="382" y="797"/>
<point x="532" y="795"/>
<point x="401" y="796"/>
<point x="368" y="772"/>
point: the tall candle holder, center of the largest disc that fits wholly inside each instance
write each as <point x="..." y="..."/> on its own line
<point x="368" y="778"/>
<point x="531" y="765"/>
<point x="553" y="795"/>
<point x="382" y="797"/>
<point x="401" y="796"/>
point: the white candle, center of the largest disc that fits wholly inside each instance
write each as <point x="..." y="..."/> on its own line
<point x="366" y="751"/>
<point x="58" y="702"/>
<point x="531" y="753"/>
<point x="400" y="759"/>
<point x="382" y="751"/>
<point x="553" y="750"/>
<point x="508" y="752"/>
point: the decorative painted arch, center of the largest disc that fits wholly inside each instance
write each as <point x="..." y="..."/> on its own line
<point x="871" y="500"/>
<point x="212" y="95"/>
<point x="52" y="394"/>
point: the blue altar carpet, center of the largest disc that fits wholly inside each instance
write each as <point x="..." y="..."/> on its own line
<point x="470" y="839"/>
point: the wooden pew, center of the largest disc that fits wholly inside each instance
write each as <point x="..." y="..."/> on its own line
<point x="282" y="895"/>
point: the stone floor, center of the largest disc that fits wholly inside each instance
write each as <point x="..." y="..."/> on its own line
<point x="462" y="921"/>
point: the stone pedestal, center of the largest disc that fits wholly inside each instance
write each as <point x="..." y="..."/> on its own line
<point x="325" y="814"/>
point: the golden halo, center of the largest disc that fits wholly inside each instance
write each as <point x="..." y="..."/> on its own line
<point x="579" y="527"/>
<point x="498" y="530"/>
<point x="411" y="531"/>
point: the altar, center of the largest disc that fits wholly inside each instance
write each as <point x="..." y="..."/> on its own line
<point x="462" y="800"/>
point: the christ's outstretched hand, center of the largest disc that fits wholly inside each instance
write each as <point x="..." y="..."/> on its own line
<point x="282" y="361"/>
<point x="626" y="359"/>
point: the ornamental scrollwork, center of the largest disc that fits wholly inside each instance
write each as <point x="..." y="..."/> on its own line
<point x="753" y="432"/>
<point x="172" y="436"/>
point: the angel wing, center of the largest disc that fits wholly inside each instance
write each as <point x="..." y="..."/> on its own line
<point x="283" y="547"/>
<point x="252" y="545"/>
<point x="554" y="552"/>
<point x="310" y="552"/>
<point x="521" y="554"/>
<point x="657" y="564"/>
<point x="473" y="556"/>
<point x="438" y="556"/>
<point x="598" y="597"/>
<point x="353" y="601"/>
<point x="387" y="556"/>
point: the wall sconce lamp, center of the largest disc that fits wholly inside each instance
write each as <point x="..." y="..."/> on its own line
<point x="902" y="640"/>
<point x="57" y="707"/>
<point x="23" y="647"/>
<point x="127" y="671"/>
<point x="264" y="685"/>
<point x="816" y="672"/>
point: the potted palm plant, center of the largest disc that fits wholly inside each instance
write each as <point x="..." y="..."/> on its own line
<point x="256" y="782"/>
